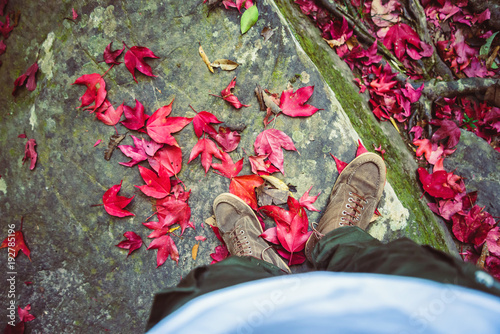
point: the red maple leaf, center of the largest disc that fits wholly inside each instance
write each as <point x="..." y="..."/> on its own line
<point x="6" y="28"/>
<point x="472" y="227"/>
<point x="110" y="57"/>
<point x="114" y="204"/>
<point x="493" y="241"/>
<point x="30" y="153"/>
<point x="244" y="187"/>
<point x="166" y="247"/>
<point x="339" y="164"/>
<point x="208" y="149"/>
<point x="3" y="47"/>
<point x="30" y="74"/>
<point x="432" y="152"/>
<point x="96" y="90"/>
<point x="202" y="121"/>
<point x="260" y="166"/>
<point x="134" y="242"/>
<point x="221" y="252"/>
<point x="307" y="201"/>
<point x="157" y="186"/>
<point x="173" y="211"/>
<point x="230" y="97"/>
<point x="436" y="184"/>
<point x="446" y="129"/>
<point x="293" y="104"/>
<point x="293" y="258"/>
<point x="16" y="242"/>
<point x="169" y="157"/>
<point x="228" y="140"/>
<point x="134" y="117"/>
<point x="228" y="168"/>
<point x="269" y="142"/>
<point x="361" y="149"/>
<point x="107" y="114"/>
<point x="292" y="224"/>
<point x="134" y="59"/>
<point x="400" y="37"/>
<point x="271" y="235"/>
<point x="24" y="313"/>
<point x="140" y="152"/>
<point x="160" y="127"/>
<point x="238" y="4"/>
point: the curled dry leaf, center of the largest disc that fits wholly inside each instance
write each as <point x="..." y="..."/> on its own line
<point x="205" y="58"/>
<point x="267" y="33"/>
<point x="114" y="140"/>
<point x="194" y="251"/>
<point x="225" y="64"/>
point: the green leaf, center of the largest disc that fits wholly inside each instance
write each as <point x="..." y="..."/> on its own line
<point x="494" y="66"/>
<point x="249" y="18"/>
<point x="485" y="49"/>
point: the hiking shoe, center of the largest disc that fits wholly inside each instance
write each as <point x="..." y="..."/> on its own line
<point x="354" y="197"/>
<point x="239" y="227"/>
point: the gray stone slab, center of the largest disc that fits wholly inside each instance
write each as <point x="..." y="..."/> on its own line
<point x="81" y="281"/>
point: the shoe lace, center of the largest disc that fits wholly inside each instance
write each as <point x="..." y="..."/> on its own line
<point x="240" y="242"/>
<point x="351" y="217"/>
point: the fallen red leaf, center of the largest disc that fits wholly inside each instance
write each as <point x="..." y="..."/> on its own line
<point x="74" y="13"/>
<point x="208" y="149"/>
<point x="293" y="258"/>
<point x="292" y="224"/>
<point x="174" y="211"/>
<point x="361" y="149"/>
<point x="134" y="242"/>
<point x="221" y="252"/>
<point x="339" y="164"/>
<point x="160" y="127"/>
<point x="200" y="238"/>
<point x="166" y="247"/>
<point x="169" y="157"/>
<point x="228" y="140"/>
<point x="436" y="184"/>
<point x="399" y="37"/>
<point x="30" y="153"/>
<point x="447" y="129"/>
<point x="228" y="168"/>
<point x="140" y="152"/>
<point x="269" y="142"/>
<point x="271" y="235"/>
<point x="16" y="243"/>
<point x="30" y="74"/>
<point x="157" y="186"/>
<point x="134" y="117"/>
<point x="114" y="204"/>
<point x="293" y="104"/>
<point x="134" y="59"/>
<point x="24" y="313"/>
<point x="96" y="90"/>
<point x="260" y="166"/>
<point x="244" y="187"/>
<point x="493" y="241"/>
<point x="202" y="121"/>
<point x="110" y="57"/>
<point x="472" y="227"/>
<point x="230" y="97"/>
<point x="307" y="201"/>
<point x="107" y="114"/>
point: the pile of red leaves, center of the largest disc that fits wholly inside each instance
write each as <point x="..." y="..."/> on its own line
<point x="164" y="156"/>
<point x="453" y="29"/>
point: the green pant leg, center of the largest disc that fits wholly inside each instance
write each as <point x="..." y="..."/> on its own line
<point x="231" y="271"/>
<point x="350" y="249"/>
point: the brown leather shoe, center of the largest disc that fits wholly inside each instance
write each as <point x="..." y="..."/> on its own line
<point x="240" y="229"/>
<point x="354" y="197"/>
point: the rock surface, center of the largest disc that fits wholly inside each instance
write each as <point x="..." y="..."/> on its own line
<point x="81" y="281"/>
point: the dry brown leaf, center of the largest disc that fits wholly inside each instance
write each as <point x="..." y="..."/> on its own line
<point x="259" y="93"/>
<point x="269" y="196"/>
<point x="270" y="103"/>
<point x="225" y="64"/>
<point x="205" y="58"/>
<point x="492" y="58"/>
<point x="114" y="140"/>
<point x="211" y="221"/>
<point x="266" y="33"/>
<point x="194" y="251"/>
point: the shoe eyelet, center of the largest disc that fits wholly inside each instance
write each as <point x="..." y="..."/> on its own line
<point x="344" y="212"/>
<point x="348" y="206"/>
<point x="341" y="224"/>
<point x="342" y="219"/>
<point x="350" y="199"/>
<point x="350" y="193"/>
